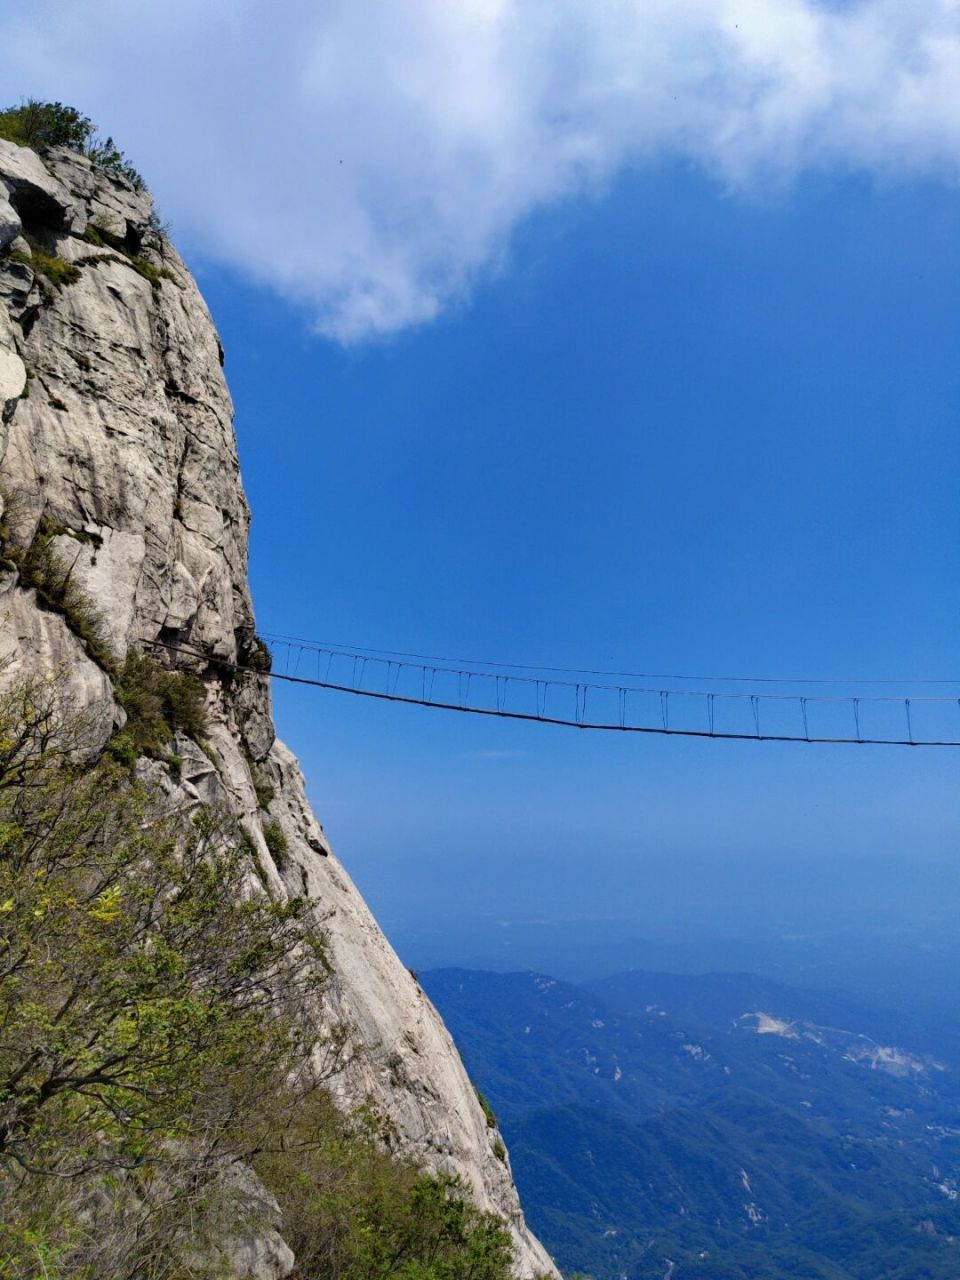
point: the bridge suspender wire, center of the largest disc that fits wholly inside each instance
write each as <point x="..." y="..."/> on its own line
<point x="683" y="713"/>
<point x="328" y="646"/>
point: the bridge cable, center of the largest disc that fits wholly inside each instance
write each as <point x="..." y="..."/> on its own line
<point x="579" y="721"/>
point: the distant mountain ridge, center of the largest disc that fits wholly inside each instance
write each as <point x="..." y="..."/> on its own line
<point x="717" y="1000"/>
<point x="728" y="1126"/>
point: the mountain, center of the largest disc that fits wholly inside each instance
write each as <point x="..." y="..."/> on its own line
<point x="720" y="1126"/>
<point x="119" y="469"/>
<point x="717" y="1000"/>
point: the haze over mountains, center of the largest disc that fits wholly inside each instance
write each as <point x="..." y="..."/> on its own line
<point x="882" y="931"/>
<point x="720" y="1126"/>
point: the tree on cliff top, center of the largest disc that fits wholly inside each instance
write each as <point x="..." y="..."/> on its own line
<point x="44" y="125"/>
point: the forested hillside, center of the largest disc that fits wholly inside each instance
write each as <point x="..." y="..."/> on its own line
<point x="725" y="1127"/>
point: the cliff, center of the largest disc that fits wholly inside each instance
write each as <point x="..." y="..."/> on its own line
<point x="117" y="447"/>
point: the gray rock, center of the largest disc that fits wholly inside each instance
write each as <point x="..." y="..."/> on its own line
<point x="260" y="1255"/>
<point x="112" y="204"/>
<point x="34" y="191"/>
<point x="36" y="641"/>
<point x="126" y="445"/>
<point x="13" y="372"/>
<point x="16" y="281"/>
<point x="10" y="224"/>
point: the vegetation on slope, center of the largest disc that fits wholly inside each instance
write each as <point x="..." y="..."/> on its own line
<point x="658" y="1132"/>
<point x="49" y="572"/>
<point x="156" y="1013"/>
<point x="159" y="703"/>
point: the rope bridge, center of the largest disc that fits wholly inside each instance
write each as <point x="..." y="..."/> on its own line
<point x="552" y="696"/>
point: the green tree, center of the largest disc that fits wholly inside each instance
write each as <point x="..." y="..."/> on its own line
<point x="43" y="125"/>
<point x="353" y="1211"/>
<point x="148" y="992"/>
<point x="160" y="1037"/>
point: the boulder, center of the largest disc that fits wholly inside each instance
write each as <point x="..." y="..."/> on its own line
<point x="34" y="192"/>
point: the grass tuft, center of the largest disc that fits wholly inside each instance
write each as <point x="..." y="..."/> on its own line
<point x="159" y="704"/>
<point x="277" y="843"/>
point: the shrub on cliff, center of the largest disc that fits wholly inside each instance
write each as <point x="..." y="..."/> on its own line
<point x="44" y="125"/>
<point x="146" y="998"/>
<point x="48" y="571"/>
<point x="157" y="1017"/>
<point x="353" y="1211"/>
<point x="159" y="703"/>
<point x="55" y="272"/>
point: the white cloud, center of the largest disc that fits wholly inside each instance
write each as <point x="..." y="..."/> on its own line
<point x="370" y="157"/>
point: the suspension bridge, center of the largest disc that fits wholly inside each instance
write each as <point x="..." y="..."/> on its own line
<point x="761" y="709"/>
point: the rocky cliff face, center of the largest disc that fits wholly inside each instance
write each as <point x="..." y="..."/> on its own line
<point x="118" y="445"/>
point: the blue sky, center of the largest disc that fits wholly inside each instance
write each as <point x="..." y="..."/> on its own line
<point x="682" y="432"/>
<point x="590" y="335"/>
